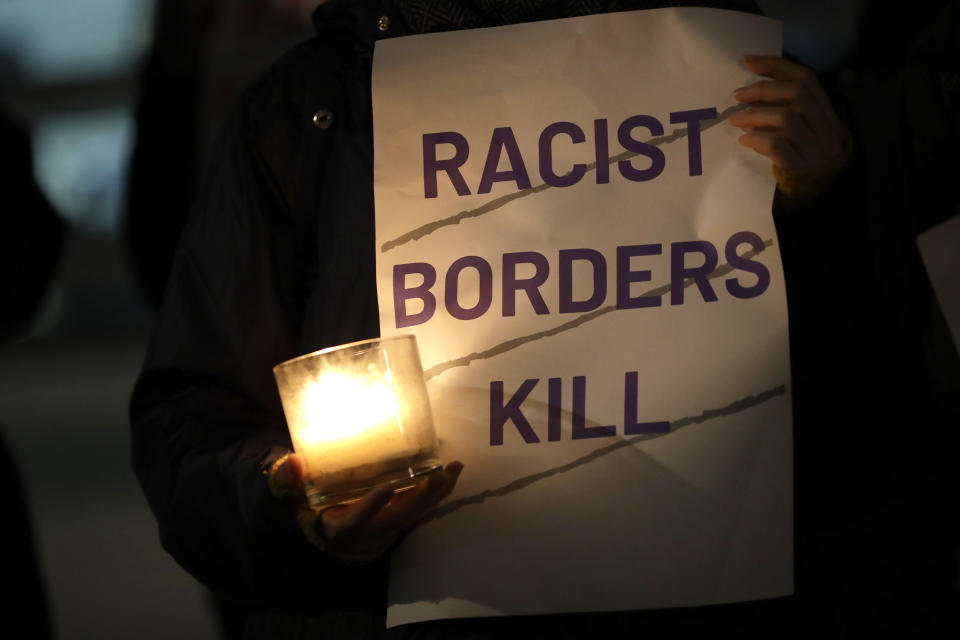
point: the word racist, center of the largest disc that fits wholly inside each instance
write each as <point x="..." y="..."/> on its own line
<point x="503" y="141"/>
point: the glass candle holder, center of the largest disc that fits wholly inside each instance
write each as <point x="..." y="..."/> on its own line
<point x="359" y="416"/>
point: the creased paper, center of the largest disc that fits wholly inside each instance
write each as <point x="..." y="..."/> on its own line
<point x="587" y="257"/>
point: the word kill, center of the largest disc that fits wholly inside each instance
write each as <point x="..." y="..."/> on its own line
<point x="501" y="412"/>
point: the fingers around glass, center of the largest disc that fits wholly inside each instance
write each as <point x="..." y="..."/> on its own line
<point x="365" y="529"/>
<point x="346" y="521"/>
<point x="409" y="507"/>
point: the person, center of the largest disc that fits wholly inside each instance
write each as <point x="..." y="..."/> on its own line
<point x="277" y="260"/>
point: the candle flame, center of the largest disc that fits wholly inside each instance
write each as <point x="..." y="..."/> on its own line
<point x="348" y="406"/>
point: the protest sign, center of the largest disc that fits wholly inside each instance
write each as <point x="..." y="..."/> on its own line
<point x="565" y="220"/>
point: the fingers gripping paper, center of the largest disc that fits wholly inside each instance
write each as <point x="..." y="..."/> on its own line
<point x="566" y="221"/>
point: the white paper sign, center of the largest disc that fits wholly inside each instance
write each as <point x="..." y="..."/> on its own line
<point x="587" y="257"/>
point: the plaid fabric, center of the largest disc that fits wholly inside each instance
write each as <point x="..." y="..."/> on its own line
<point x="425" y="16"/>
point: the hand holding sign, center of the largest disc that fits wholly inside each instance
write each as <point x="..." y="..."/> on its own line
<point x="791" y="120"/>
<point x="364" y="530"/>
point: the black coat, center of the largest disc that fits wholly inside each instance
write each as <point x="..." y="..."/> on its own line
<point x="278" y="260"/>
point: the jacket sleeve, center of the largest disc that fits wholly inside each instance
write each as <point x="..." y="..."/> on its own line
<point x="205" y="413"/>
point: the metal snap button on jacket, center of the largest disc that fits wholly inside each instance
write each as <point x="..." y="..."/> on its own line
<point x="323" y="118"/>
<point x="383" y="23"/>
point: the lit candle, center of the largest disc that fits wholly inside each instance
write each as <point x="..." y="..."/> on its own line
<point x="359" y="416"/>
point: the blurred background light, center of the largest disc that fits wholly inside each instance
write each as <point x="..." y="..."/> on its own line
<point x="67" y="67"/>
<point x="80" y="163"/>
<point x="57" y="40"/>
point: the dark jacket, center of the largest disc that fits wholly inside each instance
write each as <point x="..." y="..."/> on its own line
<point x="278" y="260"/>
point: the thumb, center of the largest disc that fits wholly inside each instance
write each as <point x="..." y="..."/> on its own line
<point x="285" y="478"/>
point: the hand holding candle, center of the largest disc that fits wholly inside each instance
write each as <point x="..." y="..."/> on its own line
<point x="366" y="466"/>
<point x="359" y="416"/>
<point x="365" y="529"/>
